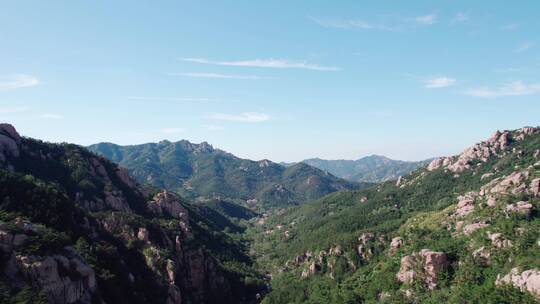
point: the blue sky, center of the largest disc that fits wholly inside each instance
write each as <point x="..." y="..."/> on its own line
<point x="284" y="80"/>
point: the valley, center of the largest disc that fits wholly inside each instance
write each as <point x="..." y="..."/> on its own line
<point x="77" y="227"/>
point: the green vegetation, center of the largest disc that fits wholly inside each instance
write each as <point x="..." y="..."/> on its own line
<point x="418" y="212"/>
<point x="198" y="170"/>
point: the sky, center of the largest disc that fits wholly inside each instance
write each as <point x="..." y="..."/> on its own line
<point x="279" y="80"/>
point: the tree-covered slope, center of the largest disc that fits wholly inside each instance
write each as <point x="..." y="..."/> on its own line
<point x="199" y="170"/>
<point x="75" y="228"/>
<point x="371" y="169"/>
<point x="464" y="229"/>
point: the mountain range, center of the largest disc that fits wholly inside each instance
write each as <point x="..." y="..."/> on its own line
<point x="370" y="169"/>
<point x="200" y="171"/>
<point x="75" y="227"/>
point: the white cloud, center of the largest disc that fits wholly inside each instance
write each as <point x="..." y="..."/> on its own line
<point x="173" y="130"/>
<point x="265" y="63"/>
<point x="439" y="82"/>
<point x="52" y="116"/>
<point x="18" y="81"/>
<point x="219" y="76"/>
<point x="352" y="24"/>
<point x="214" y="128"/>
<point x="515" y="88"/>
<point x="250" y="117"/>
<point x="12" y="110"/>
<point x="461" y="17"/>
<point x="510" y="27"/>
<point x="427" y="19"/>
<point x="524" y="47"/>
<point x="183" y="99"/>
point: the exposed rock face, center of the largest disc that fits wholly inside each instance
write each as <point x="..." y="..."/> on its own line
<point x="498" y="241"/>
<point x="395" y="244"/>
<point x="469" y="229"/>
<point x="425" y="264"/>
<point x="495" y="146"/>
<point x="365" y="251"/>
<point x="167" y="203"/>
<point x="64" y="278"/>
<point x="465" y="205"/>
<point x="9" y="141"/>
<point x="535" y="186"/>
<point x="521" y="207"/>
<point x="528" y="280"/>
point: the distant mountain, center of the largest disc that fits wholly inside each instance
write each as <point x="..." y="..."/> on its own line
<point x="372" y="169"/>
<point x="199" y="170"/>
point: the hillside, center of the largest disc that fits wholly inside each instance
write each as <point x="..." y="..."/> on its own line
<point x="75" y="228"/>
<point x="464" y="229"/>
<point x="370" y="169"/>
<point x="199" y="170"/>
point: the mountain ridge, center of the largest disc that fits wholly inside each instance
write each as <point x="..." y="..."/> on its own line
<point x="372" y="168"/>
<point x="200" y="170"/>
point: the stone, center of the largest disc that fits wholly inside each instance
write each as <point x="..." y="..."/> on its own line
<point x="429" y="263"/>
<point x="528" y="280"/>
<point x="395" y="244"/>
<point x="535" y="187"/>
<point x="521" y="207"/>
<point x="465" y="205"/>
<point x="498" y="241"/>
<point x="143" y="235"/>
<point x="469" y="229"/>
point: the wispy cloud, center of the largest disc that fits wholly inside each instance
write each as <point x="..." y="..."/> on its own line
<point x="426" y="19"/>
<point x="352" y="24"/>
<point x="173" y="130"/>
<point x="461" y="17"/>
<point x="52" y="116"/>
<point x="219" y="76"/>
<point x="510" y="27"/>
<point x="214" y="128"/>
<point x="17" y="81"/>
<point x="181" y="99"/>
<point x="525" y="46"/>
<point x="515" y="88"/>
<point x="265" y="63"/>
<point x="12" y="110"/>
<point x="250" y="117"/>
<point x="439" y="82"/>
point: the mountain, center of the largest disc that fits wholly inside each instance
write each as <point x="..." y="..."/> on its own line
<point x="75" y="228"/>
<point x="371" y="169"/>
<point x="199" y="170"/>
<point x="464" y="229"/>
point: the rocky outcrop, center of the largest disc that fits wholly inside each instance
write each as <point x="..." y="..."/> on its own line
<point x="535" y="187"/>
<point x="469" y="229"/>
<point x="498" y="241"/>
<point x="497" y="145"/>
<point x="425" y="265"/>
<point x="465" y="205"/>
<point x="9" y="141"/>
<point x="395" y="244"/>
<point x="167" y="203"/>
<point x="522" y="207"/>
<point x="528" y="280"/>
<point x="63" y="277"/>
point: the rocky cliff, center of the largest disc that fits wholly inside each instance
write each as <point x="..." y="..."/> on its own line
<point x="75" y="228"/>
